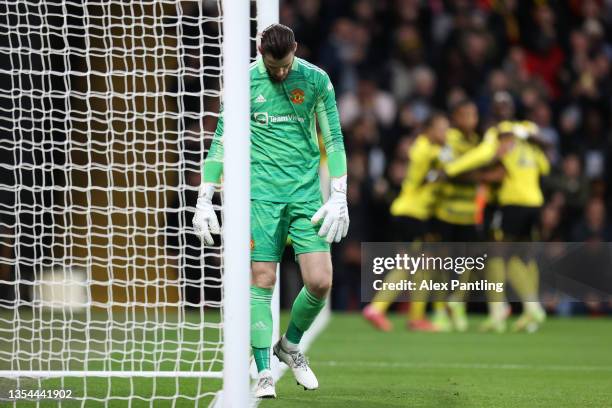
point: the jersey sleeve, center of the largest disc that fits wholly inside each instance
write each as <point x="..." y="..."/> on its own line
<point x="477" y="157"/>
<point x="329" y="123"/>
<point x="420" y="156"/>
<point x="213" y="164"/>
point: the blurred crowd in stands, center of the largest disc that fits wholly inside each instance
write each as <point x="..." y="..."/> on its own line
<point x="393" y="62"/>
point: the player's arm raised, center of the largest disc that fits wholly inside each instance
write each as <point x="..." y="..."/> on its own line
<point x="334" y="212"/>
<point x="205" y="221"/>
<point x="479" y="156"/>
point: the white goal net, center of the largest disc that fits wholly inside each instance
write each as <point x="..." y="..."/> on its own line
<point x="106" y="110"/>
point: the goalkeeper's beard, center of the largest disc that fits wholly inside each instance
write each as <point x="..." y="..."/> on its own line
<point x="277" y="79"/>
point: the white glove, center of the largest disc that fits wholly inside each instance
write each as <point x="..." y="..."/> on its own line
<point x="335" y="213"/>
<point x="521" y="131"/>
<point x="205" y="220"/>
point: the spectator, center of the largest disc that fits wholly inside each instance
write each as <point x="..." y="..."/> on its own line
<point x="594" y="144"/>
<point x="572" y="186"/>
<point x="550" y="228"/>
<point x="542" y="116"/>
<point x="545" y="55"/>
<point x="344" y="51"/>
<point x="308" y="28"/>
<point x="368" y="101"/>
<point x="594" y="227"/>
<point x="408" y="53"/>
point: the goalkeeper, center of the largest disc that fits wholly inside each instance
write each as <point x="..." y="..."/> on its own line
<point x="287" y="94"/>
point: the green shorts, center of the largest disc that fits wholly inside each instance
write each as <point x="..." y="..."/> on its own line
<point x="272" y="223"/>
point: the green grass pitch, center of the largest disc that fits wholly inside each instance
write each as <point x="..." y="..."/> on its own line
<point x="568" y="363"/>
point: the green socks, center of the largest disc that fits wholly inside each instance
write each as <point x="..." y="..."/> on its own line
<point x="294" y="335"/>
<point x="261" y="326"/>
<point x="305" y="309"/>
<point x="262" y="358"/>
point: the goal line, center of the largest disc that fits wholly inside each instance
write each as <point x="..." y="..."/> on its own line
<point x="109" y="374"/>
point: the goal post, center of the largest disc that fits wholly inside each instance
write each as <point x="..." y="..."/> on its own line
<point x="236" y="186"/>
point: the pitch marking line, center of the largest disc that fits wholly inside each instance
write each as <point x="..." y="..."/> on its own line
<point x="475" y="366"/>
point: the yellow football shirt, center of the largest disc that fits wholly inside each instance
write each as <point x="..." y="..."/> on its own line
<point x="417" y="195"/>
<point x="525" y="163"/>
<point x="479" y="156"/>
<point x="456" y="201"/>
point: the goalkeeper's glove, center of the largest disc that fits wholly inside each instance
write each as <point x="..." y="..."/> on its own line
<point x="334" y="213"/>
<point x="205" y="222"/>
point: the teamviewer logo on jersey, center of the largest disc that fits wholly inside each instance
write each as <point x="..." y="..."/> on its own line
<point x="261" y="118"/>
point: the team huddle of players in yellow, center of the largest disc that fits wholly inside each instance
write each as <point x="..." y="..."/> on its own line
<point x="460" y="187"/>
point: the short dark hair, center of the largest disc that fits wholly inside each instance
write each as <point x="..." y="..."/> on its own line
<point x="461" y="103"/>
<point x="433" y="117"/>
<point x="277" y="40"/>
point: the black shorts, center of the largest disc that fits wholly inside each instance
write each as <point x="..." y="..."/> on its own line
<point x="518" y="222"/>
<point x="489" y="225"/>
<point x="408" y="229"/>
<point x="447" y="232"/>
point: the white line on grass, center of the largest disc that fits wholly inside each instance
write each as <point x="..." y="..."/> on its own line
<point x="475" y="366"/>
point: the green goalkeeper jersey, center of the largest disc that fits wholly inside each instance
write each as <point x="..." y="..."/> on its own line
<point x="285" y="152"/>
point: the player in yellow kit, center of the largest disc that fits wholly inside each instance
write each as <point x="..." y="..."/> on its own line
<point x="519" y="197"/>
<point x="455" y="210"/>
<point x="412" y="210"/>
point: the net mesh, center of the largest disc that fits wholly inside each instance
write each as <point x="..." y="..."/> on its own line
<point x="106" y="109"/>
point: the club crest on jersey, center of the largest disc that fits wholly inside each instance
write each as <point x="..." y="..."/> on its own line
<point x="297" y="96"/>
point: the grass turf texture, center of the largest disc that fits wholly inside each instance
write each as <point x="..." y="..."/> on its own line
<point x="566" y="364"/>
